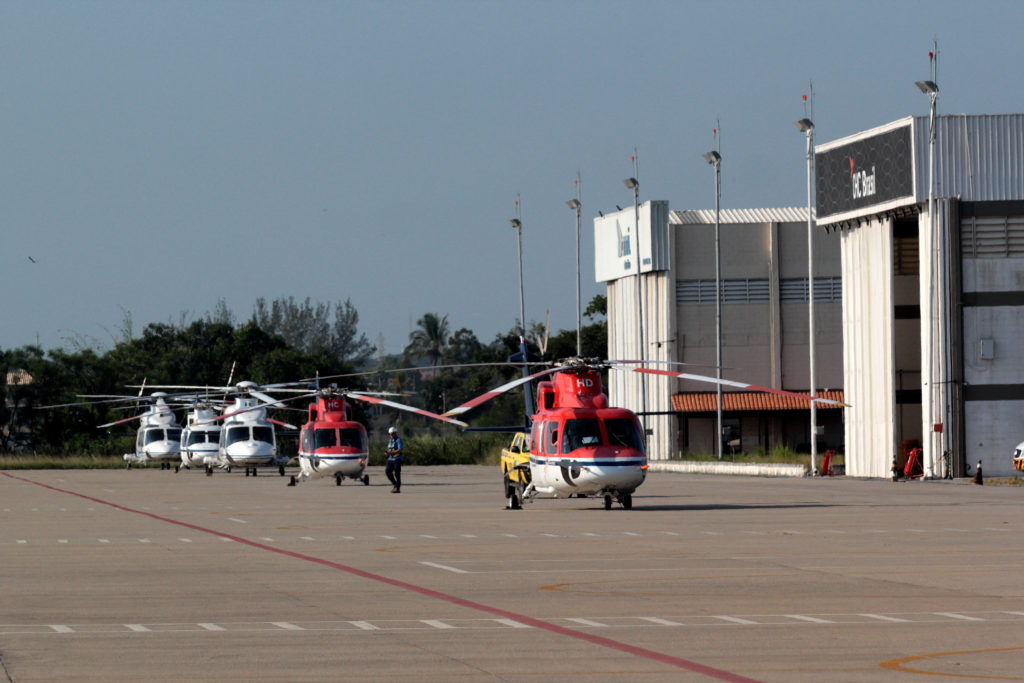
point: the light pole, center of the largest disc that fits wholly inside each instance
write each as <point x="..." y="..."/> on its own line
<point x="932" y="90"/>
<point x="634" y="184"/>
<point x="575" y="205"/>
<point x="807" y="126"/>
<point x="715" y="159"/>
<point x="517" y="225"/>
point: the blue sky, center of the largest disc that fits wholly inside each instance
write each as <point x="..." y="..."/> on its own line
<point x="156" y="157"/>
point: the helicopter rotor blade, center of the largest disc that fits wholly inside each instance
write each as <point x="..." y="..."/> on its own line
<point x="401" y="406"/>
<point x="483" y="398"/>
<point x="731" y="383"/>
<point x="117" y="422"/>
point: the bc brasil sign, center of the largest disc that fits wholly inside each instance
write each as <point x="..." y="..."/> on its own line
<point x="865" y="175"/>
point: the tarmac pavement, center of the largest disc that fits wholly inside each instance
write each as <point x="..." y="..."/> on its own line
<point x="150" y="575"/>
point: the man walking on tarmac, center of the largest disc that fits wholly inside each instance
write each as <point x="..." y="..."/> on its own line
<point x="394" y="467"/>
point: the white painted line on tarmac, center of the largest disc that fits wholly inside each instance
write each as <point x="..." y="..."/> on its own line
<point x="390" y="538"/>
<point x="288" y="626"/>
<point x="586" y="622"/>
<point x="266" y="538"/>
<point x="104" y="540"/>
<point x="228" y="540"/>
<point x="513" y="623"/>
<point x="990" y="528"/>
<point x="882" y="617"/>
<point x="589" y="533"/>
<point x="1019" y="614"/>
<point x="307" y="538"/>
<point x="185" y="540"/>
<point x="712" y="533"/>
<point x="236" y="519"/>
<point x="467" y="535"/>
<point x="62" y="540"/>
<point x="365" y="625"/>
<point x="62" y="629"/>
<point x="436" y="624"/>
<point x="22" y="541"/>
<point x="510" y="535"/>
<point x="428" y="536"/>
<point x="735" y="620"/>
<point x="954" y="615"/>
<point x="348" y="538"/>
<point x="670" y="533"/>
<point x="813" y="620"/>
<point x="138" y="628"/>
<point x="630" y="533"/>
<point x="212" y="627"/>
<point x="445" y="567"/>
<point x="663" y="622"/>
<point x="143" y="540"/>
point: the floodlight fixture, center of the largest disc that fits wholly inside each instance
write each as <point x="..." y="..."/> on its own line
<point x="574" y="204"/>
<point x="804" y="125"/>
<point x="712" y="157"/>
<point x="516" y="223"/>
<point x="631" y="183"/>
<point x="927" y="87"/>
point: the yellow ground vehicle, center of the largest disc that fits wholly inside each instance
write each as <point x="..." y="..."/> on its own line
<point x="515" y="468"/>
<point x="1018" y="457"/>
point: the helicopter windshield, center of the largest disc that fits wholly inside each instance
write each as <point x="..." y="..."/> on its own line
<point x="236" y="434"/>
<point x="198" y="437"/>
<point x="623" y="432"/>
<point x="580" y="433"/>
<point x="265" y="434"/>
<point x="352" y="438"/>
<point x="154" y="435"/>
<point x="324" y="438"/>
<point x="174" y="434"/>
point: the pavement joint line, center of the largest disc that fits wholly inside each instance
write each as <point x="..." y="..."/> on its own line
<point x="550" y="627"/>
<point x="445" y="567"/>
<point x="954" y="615"/>
<point x="882" y="617"/>
<point x="436" y="623"/>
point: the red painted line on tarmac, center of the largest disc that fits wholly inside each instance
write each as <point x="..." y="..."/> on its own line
<point x="670" y="660"/>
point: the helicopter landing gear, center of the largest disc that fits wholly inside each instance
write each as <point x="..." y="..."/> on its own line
<point x="209" y="471"/>
<point x="292" y="482"/>
<point x="280" y="470"/>
<point x="366" y="480"/>
<point x="626" y="499"/>
<point x="607" y="501"/>
<point x="337" y="480"/>
<point x="177" y="468"/>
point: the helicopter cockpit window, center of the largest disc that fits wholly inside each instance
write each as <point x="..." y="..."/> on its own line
<point x="196" y="437"/>
<point x="325" y="438"/>
<point x="623" y="432"/>
<point x="580" y="433"/>
<point x="174" y="434"/>
<point x="236" y="434"/>
<point x="265" y="434"/>
<point x="352" y="438"/>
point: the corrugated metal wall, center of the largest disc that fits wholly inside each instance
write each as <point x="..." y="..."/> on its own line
<point x="978" y="157"/>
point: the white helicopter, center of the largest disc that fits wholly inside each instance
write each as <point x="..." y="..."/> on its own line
<point x="200" y="438"/>
<point x="159" y="436"/>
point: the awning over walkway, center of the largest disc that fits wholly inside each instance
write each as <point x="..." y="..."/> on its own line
<point x="747" y="401"/>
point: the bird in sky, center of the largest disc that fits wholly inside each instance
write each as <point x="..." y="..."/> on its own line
<point x="32" y="260"/>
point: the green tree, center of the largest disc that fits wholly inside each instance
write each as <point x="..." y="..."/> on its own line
<point x="428" y="340"/>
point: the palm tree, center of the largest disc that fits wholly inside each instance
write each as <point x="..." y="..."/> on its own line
<point x="429" y="338"/>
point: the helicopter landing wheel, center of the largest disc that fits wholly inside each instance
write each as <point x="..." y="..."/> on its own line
<point x="607" y="501"/>
<point x="337" y="480"/>
<point x="254" y="470"/>
<point x="292" y="482"/>
<point x="209" y="471"/>
<point x="366" y="480"/>
<point x="627" y="501"/>
<point x="177" y="468"/>
<point x="280" y="470"/>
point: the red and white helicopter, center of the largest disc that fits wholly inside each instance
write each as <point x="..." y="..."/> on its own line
<point x="332" y="443"/>
<point x="581" y="446"/>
